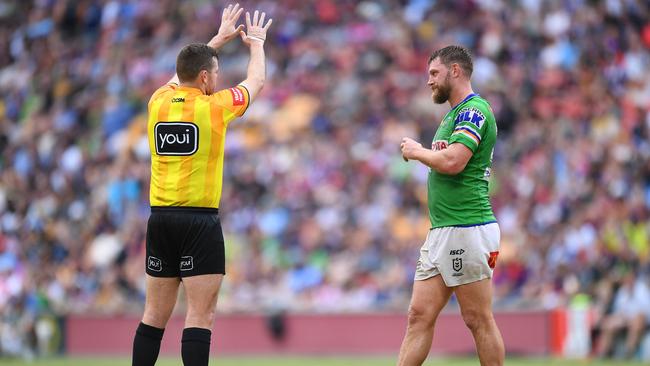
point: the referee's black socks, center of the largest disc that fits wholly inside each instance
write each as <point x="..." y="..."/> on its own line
<point x="146" y="345"/>
<point x="195" y="346"/>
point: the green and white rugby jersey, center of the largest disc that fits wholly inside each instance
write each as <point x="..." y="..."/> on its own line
<point x="462" y="199"/>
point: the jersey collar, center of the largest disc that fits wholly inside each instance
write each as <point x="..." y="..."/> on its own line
<point x="470" y="96"/>
<point x="189" y="89"/>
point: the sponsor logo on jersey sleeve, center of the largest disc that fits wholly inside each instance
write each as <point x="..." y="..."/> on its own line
<point x="237" y="96"/>
<point x="471" y="115"/>
<point x="438" y="145"/>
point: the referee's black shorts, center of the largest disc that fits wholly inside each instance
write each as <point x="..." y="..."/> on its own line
<point x="184" y="241"/>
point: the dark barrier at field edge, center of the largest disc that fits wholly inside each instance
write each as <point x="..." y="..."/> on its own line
<point x="526" y="333"/>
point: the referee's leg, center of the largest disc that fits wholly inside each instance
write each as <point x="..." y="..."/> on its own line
<point x="201" y="292"/>
<point x="161" y="293"/>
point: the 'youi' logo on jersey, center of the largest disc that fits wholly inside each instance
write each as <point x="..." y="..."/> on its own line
<point x="176" y="138"/>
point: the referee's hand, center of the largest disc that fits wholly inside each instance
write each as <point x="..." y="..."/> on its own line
<point x="228" y="29"/>
<point x="256" y="29"/>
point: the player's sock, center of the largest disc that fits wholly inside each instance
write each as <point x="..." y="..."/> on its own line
<point x="146" y="345"/>
<point x="195" y="346"/>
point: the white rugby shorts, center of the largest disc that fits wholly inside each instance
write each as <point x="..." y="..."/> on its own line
<point x="460" y="254"/>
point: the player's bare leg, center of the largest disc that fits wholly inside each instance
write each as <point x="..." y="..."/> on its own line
<point x="201" y="292"/>
<point x="475" y="300"/>
<point x="161" y="294"/>
<point x="429" y="297"/>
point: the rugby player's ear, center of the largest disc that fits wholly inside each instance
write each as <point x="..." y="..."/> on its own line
<point x="455" y="70"/>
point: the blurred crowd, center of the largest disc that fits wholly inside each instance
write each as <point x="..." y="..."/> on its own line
<point x="319" y="210"/>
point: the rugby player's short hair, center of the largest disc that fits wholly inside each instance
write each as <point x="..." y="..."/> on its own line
<point x="192" y="59"/>
<point x="454" y="55"/>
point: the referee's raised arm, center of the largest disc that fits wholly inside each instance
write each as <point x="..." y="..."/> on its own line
<point x="255" y="39"/>
<point x="228" y="30"/>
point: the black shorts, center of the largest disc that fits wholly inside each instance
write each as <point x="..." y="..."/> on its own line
<point x="184" y="241"/>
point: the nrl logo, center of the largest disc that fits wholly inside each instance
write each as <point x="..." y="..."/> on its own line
<point x="457" y="264"/>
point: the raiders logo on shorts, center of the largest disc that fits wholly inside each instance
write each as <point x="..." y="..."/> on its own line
<point x="176" y="138"/>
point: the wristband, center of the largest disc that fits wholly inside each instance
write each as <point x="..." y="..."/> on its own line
<point x="257" y="38"/>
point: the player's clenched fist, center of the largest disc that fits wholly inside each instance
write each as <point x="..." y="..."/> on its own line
<point x="409" y="147"/>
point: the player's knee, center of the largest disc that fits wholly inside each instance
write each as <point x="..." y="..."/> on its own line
<point x="155" y="319"/>
<point x="421" y="316"/>
<point x="200" y="317"/>
<point x="476" y="320"/>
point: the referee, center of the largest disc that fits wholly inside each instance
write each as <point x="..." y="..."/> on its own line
<point x="187" y="125"/>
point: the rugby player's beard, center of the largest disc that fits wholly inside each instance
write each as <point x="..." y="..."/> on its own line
<point x="442" y="92"/>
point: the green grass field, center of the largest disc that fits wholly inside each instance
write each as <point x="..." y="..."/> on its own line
<point x="311" y="361"/>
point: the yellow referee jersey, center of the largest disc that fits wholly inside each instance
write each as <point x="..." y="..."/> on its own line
<point x="186" y="132"/>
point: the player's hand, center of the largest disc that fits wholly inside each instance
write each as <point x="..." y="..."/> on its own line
<point x="228" y="28"/>
<point x="409" y="147"/>
<point x="255" y="30"/>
